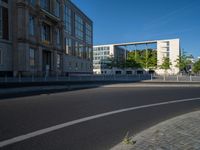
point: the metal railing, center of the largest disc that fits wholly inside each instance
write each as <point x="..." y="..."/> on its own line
<point x="131" y="78"/>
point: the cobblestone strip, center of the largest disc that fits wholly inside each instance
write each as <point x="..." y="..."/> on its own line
<point x="180" y="133"/>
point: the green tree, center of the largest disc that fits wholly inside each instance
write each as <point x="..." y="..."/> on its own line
<point x="143" y="58"/>
<point x="166" y="64"/>
<point x="183" y="63"/>
<point x="152" y="59"/>
<point x="196" y="67"/>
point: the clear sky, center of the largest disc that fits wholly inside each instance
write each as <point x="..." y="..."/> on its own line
<point x="117" y="21"/>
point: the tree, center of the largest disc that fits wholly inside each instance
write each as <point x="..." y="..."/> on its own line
<point x="166" y="64"/>
<point x="152" y="59"/>
<point x="143" y="58"/>
<point x="183" y="63"/>
<point x="196" y="67"/>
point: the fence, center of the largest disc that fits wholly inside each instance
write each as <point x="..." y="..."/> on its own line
<point x="130" y="78"/>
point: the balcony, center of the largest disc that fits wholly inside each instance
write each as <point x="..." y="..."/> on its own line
<point x="50" y="15"/>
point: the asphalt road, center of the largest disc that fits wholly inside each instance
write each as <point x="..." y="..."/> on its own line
<point x="19" y="116"/>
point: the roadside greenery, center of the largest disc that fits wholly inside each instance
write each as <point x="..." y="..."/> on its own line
<point x="183" y="63"/>
<point x="142" y="59"/>
<point x="166" y="64"/>
<point x="196" y="67"/>
<point x="136" y="59"/>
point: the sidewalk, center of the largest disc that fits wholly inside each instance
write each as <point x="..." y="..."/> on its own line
<point x="180" y="133"/>
<point x="36" y="90"/>
<point x="44" y="89"/>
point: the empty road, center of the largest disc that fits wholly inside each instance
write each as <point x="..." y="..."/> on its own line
<point x="90" y="119"/>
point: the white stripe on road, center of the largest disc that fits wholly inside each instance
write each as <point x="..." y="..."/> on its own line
<point x="67" y="124"/>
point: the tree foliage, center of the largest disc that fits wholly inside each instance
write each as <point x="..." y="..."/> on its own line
<point x="143" y="59"/>
<point x="183" y="63"/>
<point x="196" y="67"/>
<point x="136" y="59"/>
<point x="165" y="64"/>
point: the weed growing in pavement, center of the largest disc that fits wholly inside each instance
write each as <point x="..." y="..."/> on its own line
<point x="128" y="140"/>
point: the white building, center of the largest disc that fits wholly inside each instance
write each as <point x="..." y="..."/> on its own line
<point x="165" y="48"/>
<point x="104" y="55"/>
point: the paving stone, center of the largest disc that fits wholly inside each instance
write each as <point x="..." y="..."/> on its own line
<point x="180" y="133"/>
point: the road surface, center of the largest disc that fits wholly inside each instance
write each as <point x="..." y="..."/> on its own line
<point x="90" y="119"/>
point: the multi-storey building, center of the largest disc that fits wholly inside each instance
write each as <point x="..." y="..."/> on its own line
<point x="44" y="37"/>
<point x="164" y="48"/>
<point x="106" y="55"/>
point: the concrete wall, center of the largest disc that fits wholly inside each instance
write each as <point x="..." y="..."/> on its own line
<point x="6" y="50"/>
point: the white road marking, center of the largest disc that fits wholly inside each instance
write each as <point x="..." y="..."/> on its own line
<point x="67" y="124"/>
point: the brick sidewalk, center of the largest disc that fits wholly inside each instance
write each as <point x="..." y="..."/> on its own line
<point x="180" y="133"/>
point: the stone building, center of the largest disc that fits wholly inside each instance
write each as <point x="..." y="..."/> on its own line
<point x="44" y="37"/>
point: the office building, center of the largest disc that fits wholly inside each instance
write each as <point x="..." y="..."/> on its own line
<point x="44" y="38"/>
<point x="164" y="48"/>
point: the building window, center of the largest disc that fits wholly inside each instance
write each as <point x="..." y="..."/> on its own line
<point x="58" y="61"/>
<point x="45" y="4"/>
<point x="88" y="34"/>
<point x="4" y="30"/>
<point x="1" y="23"/>
<point x="58" y="35"/>
<point x="5" y="1"/>
<point x="79" y="27"/>
<point x="67" y="20"/>
<point x="31" y="25"/>
<point x="32" y="2"/>
<point x="90" y="53"/>
<point x="57" y="8"/>
<point x="46" y="33"/>
<point x="1" y="57"/>
<point x="80" y="47"/>
<point x="77" y="49"/>
<point x="68" y="46"/>
<point x="32" y="57"/>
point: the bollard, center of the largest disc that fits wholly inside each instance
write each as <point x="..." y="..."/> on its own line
<point x="177" y="78"/>
<point x="164" y="78"/>
<point x="190" y="78"/>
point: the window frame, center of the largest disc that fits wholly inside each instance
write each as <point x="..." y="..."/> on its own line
<point x="67" y="19"/>
<point x="58" y="61"/>
<point x="32" y="57"/>
<point x="1" y="56"/>
<point x="31" y="25"/>
<point x="45" y="4"/>
<point x="58" y="36"/>
<point x="79" y="27"/>
<point x="46" y="32"/>
<point x="57" y="8"/>
<point x="1" y="22"/>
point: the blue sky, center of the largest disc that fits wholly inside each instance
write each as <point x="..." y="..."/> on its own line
<point x="117" y="21"/>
